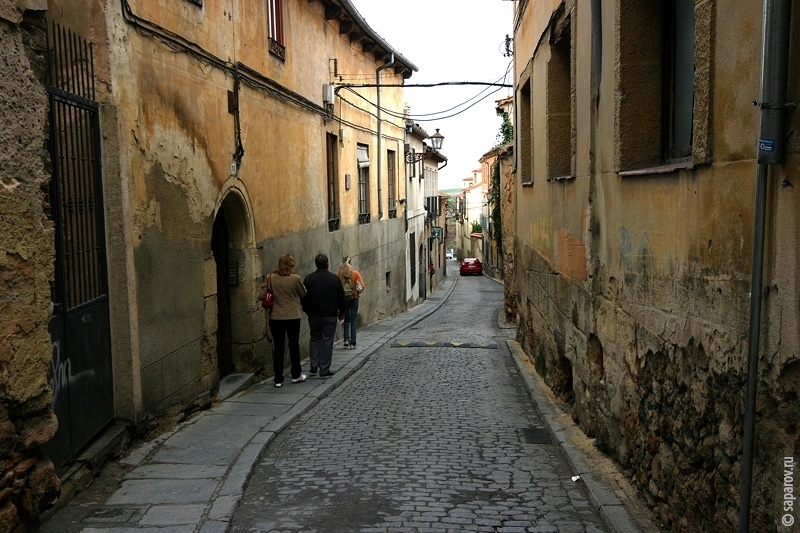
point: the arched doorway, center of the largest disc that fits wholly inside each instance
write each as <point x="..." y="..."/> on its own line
<point x="220" y="247"/>
<point x="241" y="341"/>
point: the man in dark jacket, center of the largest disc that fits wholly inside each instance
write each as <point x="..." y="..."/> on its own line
<point x="324" y="304"/>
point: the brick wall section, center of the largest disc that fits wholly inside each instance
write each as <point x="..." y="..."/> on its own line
<point x="28" y="483"/>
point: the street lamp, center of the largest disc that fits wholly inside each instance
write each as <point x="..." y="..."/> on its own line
<point x="436" y="140"/>
<point x="436" y="143"/>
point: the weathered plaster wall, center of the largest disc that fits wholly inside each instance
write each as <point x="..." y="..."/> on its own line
<point x="634" y="290"/>
<point x="508" y="211"/>
<point x="177" y="137"/>
<point x="28" y="484"/>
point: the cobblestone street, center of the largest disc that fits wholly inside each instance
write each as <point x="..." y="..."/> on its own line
<point x="435" y="433"/>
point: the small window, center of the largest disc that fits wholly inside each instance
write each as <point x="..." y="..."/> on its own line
<point x="363" y="184"/>
<point x="275" y="28"/>
<point x="525" y="134"/>
<point x="391" y="169"/>
<point x="559" y="108"/>
<point x="334" y="213"/>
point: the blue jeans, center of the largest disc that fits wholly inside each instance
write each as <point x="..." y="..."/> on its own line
<point x="350" y="321"/>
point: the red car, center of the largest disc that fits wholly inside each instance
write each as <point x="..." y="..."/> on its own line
<point x="471" y="265"/>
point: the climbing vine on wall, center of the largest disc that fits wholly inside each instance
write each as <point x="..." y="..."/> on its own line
<point x="504" y="136"/>
<point x="494" y="203"/>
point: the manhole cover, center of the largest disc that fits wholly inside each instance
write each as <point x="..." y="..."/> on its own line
<point x="537" y="436"/>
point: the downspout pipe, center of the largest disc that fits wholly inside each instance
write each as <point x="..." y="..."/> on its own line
<point x="380" y="134"/>
<point x="771" y="141"/>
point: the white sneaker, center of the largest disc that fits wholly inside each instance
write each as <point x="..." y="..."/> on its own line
<point x="301" y="379"/>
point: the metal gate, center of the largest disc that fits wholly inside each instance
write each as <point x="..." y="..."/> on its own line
<point x="81" y="375"/>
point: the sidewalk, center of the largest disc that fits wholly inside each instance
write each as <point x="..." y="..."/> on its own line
<point x="192" y="478"/>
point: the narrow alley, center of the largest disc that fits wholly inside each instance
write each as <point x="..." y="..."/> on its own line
<point x="429" y="435"/>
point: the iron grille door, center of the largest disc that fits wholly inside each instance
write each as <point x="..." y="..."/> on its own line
<point x="81" y="375"/>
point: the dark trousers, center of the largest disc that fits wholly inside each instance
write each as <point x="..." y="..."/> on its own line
<point x="351" y="321"/>
<point x="323" y="332"/>
<point x="281" y="329"/>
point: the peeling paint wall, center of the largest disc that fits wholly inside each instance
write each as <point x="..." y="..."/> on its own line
<point x="633" y="287"/>
<point x="28" y="484"/>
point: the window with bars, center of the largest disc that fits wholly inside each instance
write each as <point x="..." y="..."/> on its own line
<point x="277" y="46"/>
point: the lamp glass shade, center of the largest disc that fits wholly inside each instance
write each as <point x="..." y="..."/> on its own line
<point x="436" y="140"/>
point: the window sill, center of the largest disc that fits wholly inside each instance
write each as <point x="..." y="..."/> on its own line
<point x="663" y="169"/>
<point x="561" y="178"/>
<point x="277" y="49"/>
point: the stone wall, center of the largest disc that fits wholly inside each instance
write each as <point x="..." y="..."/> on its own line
<point x="656" y="394"/>
<point x="28" y="484"/>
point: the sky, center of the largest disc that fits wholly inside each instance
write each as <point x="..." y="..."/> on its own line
<point x="451" y="41"/>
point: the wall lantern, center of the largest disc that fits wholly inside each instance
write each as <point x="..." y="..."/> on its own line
<point x="436" y="142"/>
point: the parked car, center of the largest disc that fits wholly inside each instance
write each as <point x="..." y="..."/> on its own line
<point x="471" y="265"/>
<point x="449" y="254"/>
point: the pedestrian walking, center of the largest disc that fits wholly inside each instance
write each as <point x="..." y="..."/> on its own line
<point x="284" y="319"/>
<point x="324" y="304"/>
<point x="353" y="285"/>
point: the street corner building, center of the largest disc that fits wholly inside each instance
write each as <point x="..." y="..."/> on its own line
<point x="188" y="145"/>
<point x="638" y="155"/>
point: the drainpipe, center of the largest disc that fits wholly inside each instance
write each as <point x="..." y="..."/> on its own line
<point x="774" y="75"/>
<point x="380" y="135"/>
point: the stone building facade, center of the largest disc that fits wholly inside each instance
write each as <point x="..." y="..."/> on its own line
<point x="226" y="142"/>
<point x="635" y="145"/>
<point x="424" y="211"/>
